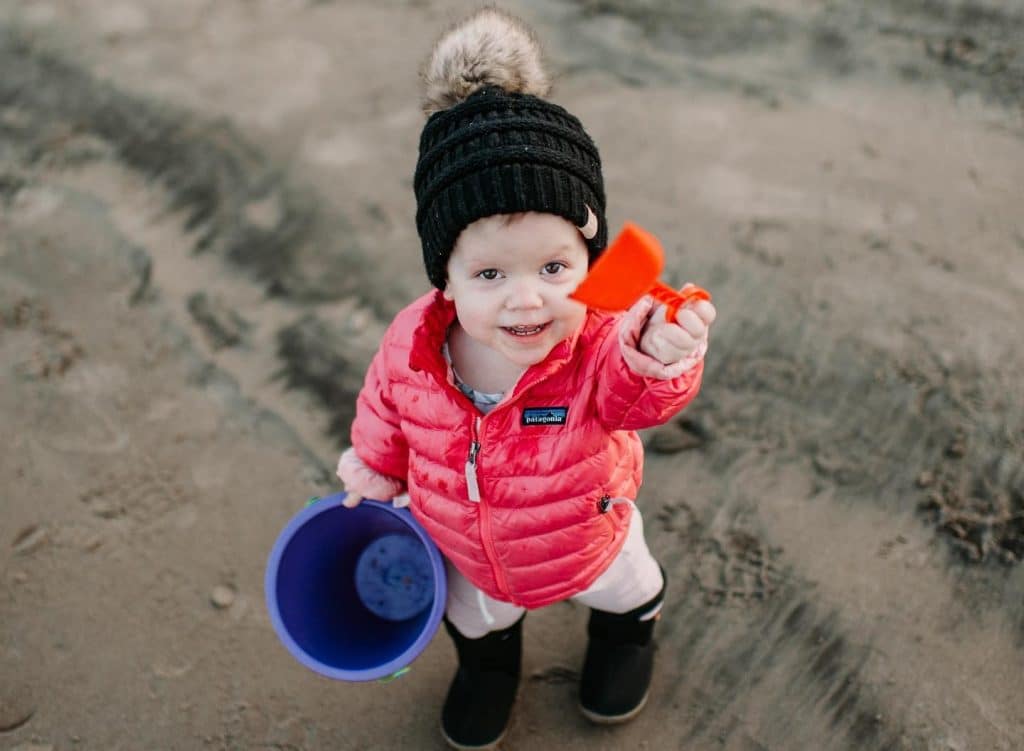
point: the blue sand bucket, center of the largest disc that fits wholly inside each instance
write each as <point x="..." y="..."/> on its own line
<point x="355" y="594"/>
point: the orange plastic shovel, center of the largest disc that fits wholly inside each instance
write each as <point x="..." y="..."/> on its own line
<point x="628" y="270"/>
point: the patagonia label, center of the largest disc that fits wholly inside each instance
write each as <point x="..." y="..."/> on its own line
<point x="545" y="415"/>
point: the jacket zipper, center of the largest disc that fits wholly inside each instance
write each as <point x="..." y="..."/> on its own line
<point x="474" y="450"/>
<point x="485" y="514"/>
<point x="605" y="505"/>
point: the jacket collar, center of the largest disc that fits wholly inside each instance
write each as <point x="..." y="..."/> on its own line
<point x="430" y="334"/>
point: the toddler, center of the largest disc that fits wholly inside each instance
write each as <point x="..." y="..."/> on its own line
<point x="507" y="410"/>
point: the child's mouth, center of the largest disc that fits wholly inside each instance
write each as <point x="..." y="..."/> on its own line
<point x="525" y="330"/>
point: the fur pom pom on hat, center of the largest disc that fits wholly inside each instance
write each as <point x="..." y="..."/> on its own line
<point x="490" y="48"/>
<point x="493" y="145"/>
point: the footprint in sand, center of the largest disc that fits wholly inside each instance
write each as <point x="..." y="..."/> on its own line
<point x="736" y="566"/>
<point x="81" y="426"/>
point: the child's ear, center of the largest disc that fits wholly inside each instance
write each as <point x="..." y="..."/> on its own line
<point x="446" y="293"/>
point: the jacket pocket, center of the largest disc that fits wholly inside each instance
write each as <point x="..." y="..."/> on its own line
<point x="605" y="504"/>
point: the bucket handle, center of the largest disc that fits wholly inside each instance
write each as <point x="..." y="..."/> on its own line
<point x="397" y="674"/>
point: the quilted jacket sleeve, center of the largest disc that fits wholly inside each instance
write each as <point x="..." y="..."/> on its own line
<point x="376" y="431"/>
<point x="633" y="390"/>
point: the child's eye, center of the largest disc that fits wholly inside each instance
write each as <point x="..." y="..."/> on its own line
<point x="488" y="274"/>
<point x="554" y="267"/>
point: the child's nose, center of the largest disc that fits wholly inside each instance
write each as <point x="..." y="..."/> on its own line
<point x="524" y="294"/>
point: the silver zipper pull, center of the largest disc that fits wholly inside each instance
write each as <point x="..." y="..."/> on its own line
<point x="471" y="483"/>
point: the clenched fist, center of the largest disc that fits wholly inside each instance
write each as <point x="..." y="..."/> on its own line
<point x="670" y="342"/>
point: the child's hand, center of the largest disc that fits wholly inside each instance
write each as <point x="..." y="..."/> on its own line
<point x="670" y="342"/>
<point x="352" y="500"/>
<point x="362" y="482"/>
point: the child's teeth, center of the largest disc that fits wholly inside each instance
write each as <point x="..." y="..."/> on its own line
<point x="525" y="329"/>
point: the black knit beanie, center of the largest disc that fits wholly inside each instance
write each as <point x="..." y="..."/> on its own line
<point x="492" y="146"/>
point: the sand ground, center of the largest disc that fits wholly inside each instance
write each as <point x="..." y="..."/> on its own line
<point x="206" y="222"/>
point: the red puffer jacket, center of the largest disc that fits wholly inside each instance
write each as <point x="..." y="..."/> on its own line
<point x="514" y="498"/>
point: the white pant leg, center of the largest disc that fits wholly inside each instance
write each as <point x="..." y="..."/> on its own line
<point x="473" y="613"/>
<point x="633" y="579"/>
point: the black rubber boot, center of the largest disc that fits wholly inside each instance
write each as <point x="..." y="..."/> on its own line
<point x="619" y="663"/>
<point x="480" y="699"/>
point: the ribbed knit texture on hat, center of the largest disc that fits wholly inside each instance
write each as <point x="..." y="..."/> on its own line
<point x="502" y="153"/>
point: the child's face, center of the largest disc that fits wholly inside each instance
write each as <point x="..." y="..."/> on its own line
<point x="510" y="279"/>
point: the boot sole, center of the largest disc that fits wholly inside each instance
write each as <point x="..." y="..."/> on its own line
<point x="618" y="719"/>
<point x="463" y="747"/>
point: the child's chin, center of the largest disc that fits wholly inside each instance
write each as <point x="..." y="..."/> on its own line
<point x="530" y="357"/>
